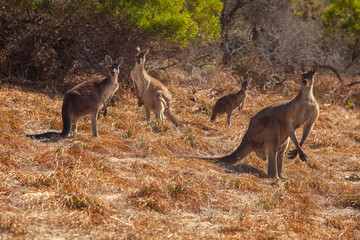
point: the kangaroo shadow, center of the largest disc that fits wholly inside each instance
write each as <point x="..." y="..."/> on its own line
<point x="52" y="139"/>
<point x="245" y="168"/>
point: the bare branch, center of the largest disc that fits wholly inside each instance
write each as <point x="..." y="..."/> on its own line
<point x="353" y="83"/>
<point x="334" y="70"/>
<point x="192" y="61"/>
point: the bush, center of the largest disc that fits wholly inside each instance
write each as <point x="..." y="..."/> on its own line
<point x="178" y="21"/>
<point x="44" y="40"/>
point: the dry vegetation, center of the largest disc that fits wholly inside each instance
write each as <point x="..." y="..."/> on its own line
<point x="130" y="183"/>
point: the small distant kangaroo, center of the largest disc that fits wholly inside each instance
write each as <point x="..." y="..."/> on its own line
<point x="151" y="92"/>
<point x="86" y="99"/>
<point x="269" y="130"/>
<point x="228" y="103"/>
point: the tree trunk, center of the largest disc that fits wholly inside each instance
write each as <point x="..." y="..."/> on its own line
<point x="227" y="15"/>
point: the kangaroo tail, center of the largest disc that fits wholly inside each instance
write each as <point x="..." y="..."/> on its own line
<point x="171" y="117"/>
<point x="210" y="159"/>
<point x="244" y="149"/>
<point x="215" y="111"/>
<point x="213" y="116"/>
<point x="241" y="152"/>
<point x="66" y="117"/>
<point x="65" y="132"/>
<point x="206" y="128"/>
<point x="66" y="125"/>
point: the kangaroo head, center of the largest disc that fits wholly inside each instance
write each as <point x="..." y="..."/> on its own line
<point x="113" y="67"/>
<point x="245" y="83"/>
<point x="307" y="77"/>
<point x="140" y="56"/>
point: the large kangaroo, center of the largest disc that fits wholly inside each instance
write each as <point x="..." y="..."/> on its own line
<point x="269" y="130"/>
<point x="150" y="92"/>
<point x="86" y="99"/>
<point x="228" y="103"/>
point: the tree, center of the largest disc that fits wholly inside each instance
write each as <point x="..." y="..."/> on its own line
<point x="345" y="15"/>
<point x="178" y="21"/>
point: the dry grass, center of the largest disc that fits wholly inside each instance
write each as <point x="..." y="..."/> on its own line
<point x="130" y="184"/>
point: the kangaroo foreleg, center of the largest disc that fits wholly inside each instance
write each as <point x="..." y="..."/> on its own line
<point x="306" y="132"/>
<point x="298" y="150"/>
<point x="104" y="104"/>
<point x="307" y="129"/>
<point x="140" y="102"/>
<point x="145" y="88"/>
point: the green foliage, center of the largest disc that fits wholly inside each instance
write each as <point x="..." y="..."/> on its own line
<point x="176" y="191"/>
<point x="175" y="20"/>
<point x="178" y="21"/>
<point x="350" y="105"/>
<point x="344" y="15"/>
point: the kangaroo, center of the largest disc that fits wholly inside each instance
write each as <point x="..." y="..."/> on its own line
<point x="150" y="92"/>
<point x="228" y="103"/>
<point x="85" y="99"/>
<point x="270" y="129"/>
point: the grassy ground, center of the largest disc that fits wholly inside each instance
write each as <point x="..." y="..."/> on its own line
<point x="130" y="183"/>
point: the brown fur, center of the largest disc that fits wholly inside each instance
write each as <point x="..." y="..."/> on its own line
<point x="86" y="99"/>
<point x="228" y="103"/>
<point x="271" y="128"/>
<point x="150" y="92"/>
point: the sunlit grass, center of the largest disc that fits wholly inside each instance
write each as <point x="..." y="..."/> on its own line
<point x="131" y="183"/>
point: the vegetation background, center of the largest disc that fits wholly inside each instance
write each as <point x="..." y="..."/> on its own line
<point x="130" y="183"/>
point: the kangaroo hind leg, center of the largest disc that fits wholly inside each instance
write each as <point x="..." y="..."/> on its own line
<point x="147" y="113"/>
<point x="160" y="106"/>
<point x="228" y="121"/>
<point x="272" y="145"/>
<point x="280" y="157"/>
<point x="272" y="163"/>
<point x="74" y="127"/>
<point x="94" y="124"/>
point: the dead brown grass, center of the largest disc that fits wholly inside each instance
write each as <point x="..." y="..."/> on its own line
<point x="130" y="184"/>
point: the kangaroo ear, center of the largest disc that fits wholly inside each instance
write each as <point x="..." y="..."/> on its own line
<point x="302" y="67"/>
<point x="108" y="60"/>
<point x="138" y="49"/>
<point x="120" y="60"/>
<point x="315" y="68"/>
<point x="147" y="51"/>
